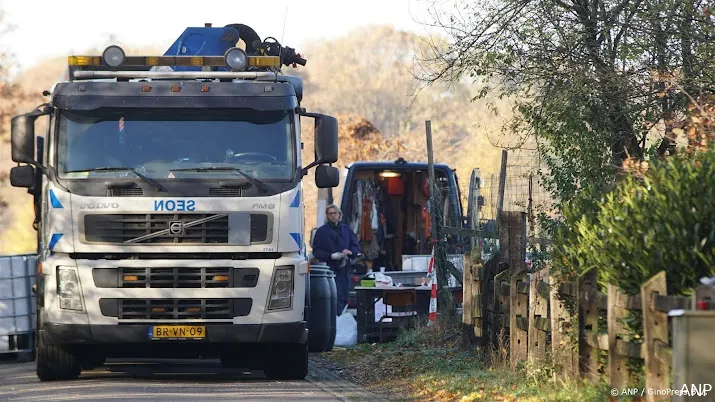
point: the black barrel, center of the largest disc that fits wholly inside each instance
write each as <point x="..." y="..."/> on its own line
<point x="333" y="311"/>
<point x="319" y="320"/>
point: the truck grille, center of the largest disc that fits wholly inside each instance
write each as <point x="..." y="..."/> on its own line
<point x="218" y="277"/>
<point x="127" y="192"/>
<point x="225" y="192"/>
<point x="175" y="277"/>
<point x="175" y="309"/>
<point x="168" y="228"/>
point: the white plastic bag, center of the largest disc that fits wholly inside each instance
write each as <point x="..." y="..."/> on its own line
<point x="382" y="280"/>
<point x="346" y="330"/>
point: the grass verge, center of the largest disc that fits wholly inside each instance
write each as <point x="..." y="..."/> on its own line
<point x="428" y="364"/>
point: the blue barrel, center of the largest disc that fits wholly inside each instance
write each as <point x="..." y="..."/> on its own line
<point x="333" y="311"/>
<point x="319" y="317"/>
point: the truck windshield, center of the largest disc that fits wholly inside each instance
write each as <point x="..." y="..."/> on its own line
<point x="176" y="143"/>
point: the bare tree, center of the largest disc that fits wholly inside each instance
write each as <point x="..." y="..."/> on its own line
<point x="592" y="76"/>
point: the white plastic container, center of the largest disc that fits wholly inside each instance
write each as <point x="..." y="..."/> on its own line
<point x="415" y="262"/>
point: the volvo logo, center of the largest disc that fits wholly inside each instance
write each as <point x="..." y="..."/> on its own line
<point x="104" y="205"/>
<point x="176" y="228"/>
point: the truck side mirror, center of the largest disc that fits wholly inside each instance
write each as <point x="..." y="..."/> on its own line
<point x="23" y="138"/>
<point x="22" y="176"/>
<point x="327" y="176"/>
<point x="326" y="139"/>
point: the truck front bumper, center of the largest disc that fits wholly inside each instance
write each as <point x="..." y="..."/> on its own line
<point x="78" y="334"/>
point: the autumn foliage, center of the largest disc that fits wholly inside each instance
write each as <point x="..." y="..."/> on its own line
<point x="699" y="127"/>
<point x="696" y="132"/>
<point x="360" y="140"/>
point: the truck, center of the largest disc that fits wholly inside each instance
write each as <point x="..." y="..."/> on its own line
<point x="387" y="204"/>
<point x="168" y="202"/>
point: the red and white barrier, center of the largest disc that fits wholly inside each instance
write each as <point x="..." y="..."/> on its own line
<point x="433" y="296"/>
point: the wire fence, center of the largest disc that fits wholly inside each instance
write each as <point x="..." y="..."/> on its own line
<point x="442" y="208"/>
<point x="523" y="191"/>
<point x="517" y="188"/>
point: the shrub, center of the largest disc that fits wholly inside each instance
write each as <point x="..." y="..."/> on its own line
<point x="662" y="218"/>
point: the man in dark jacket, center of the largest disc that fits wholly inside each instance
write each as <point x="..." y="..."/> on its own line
<point x="335" y="244"/>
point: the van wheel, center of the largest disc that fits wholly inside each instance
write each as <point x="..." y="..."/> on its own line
<point x="288" y="362"/>
<point x="55" y="362"/>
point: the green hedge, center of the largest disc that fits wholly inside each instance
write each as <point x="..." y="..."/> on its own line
<point x="661" y="220"/>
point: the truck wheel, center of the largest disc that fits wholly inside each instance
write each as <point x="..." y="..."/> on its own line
<point x="288" y="362"/>
<point x="55" y="362"/>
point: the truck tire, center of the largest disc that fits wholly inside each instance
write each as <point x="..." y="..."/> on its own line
<point x="55" y="362"/>
<point x="288" y="362"/>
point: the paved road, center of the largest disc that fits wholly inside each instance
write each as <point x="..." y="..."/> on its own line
<point x="166" y="380"/>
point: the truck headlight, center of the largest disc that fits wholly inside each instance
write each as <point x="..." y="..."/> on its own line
<point x="114" y="56"/>
<point x="236" y="58"/>
<point x="281" y="295"/>
<point x="68" y="290"/>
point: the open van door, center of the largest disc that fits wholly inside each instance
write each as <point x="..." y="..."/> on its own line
<point x="474" y="203"/>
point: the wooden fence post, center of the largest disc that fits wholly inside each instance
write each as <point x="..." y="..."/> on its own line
<point x="489" y="300"/>
<point x="655" y="332"/>
<point x="512" y="239"/>
<point x="472" y="307"/>
<point x="564" y="351"/>
<point x="467" y="294"/>
<point x="490" y="312"/>
<point x="501" y="310"/>
<point x="539" y="323"/>
<point x="618" y="372"/>
<point x="502" y="184"/>
<point x="588" y="325"/>
<point x="478" y="305"/>
<point x="518" y="317"/>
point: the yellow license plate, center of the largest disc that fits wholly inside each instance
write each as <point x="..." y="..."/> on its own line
<point x="177" y="332"/>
